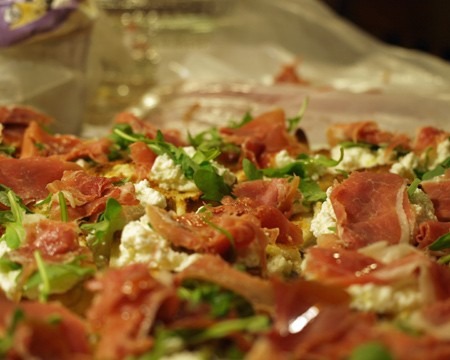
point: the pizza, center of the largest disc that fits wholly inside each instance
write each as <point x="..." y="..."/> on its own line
<point x="242" y="241"/>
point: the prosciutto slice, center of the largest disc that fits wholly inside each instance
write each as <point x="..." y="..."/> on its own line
<point x="439" y="194"/>
<point x="430" y="231"/>
<point x="264" y="136"/>
<point x="427" y="137"/>
<point x="36" y="336"/>
<point x="365" y="131"/>
<point x="86" y="195"/>
<point x="29" y="177"/>
<point x="371" y="207"/>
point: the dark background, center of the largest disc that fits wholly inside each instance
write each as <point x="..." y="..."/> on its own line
<point x="416" y="24"/>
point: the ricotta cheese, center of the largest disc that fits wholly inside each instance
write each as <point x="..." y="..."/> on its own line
<point x="139" y="243"/>
<point x="422" y="206"/>
<point x="324" y="221"/>
<point x="358" y="157"/>
<point x="404" y="167"/>
<point x="384" y="298"/>
<point x="7" y="278"/>
<point x="149" y="196"/>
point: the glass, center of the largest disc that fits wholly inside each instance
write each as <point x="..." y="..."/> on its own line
<point x="146" y="28"/>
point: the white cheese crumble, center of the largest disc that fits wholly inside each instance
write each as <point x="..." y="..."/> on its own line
<point x="404" y="167"/>
<point x="148" y="196"/>
<point x="7" y="279"/>
<point x="422" y="206"/>
<point x="324" y="221"/>
<point x="139" y="243"/>
<point x="282" y="158"/>
<point x="169" y="175"/>
<point x="358" y="157"/>
<point x="442" y="153"/>
<point x="384" y="298"/>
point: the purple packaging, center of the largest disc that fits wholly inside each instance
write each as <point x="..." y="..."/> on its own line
<point x="22" y="20"/>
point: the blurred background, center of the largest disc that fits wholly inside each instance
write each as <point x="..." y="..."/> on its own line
<point x="414" y="24"/>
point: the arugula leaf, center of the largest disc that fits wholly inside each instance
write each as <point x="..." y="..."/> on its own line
<point x="311" y="191"/>
<point x="14" y="230"/>
<point x="413" y="187"/>
<point x="103" y="230"/>
<point x="443" y="242"/>
<point x="7" y="341"/>
<point x="55" y="278"/>
<point x="245" y="120"/>
<point x="6" y="149"/>
<point x="220" y="300"/>
<point x="251" y="171"/>
<point x="63" y="207"/>
<point x="211" y="184"/>
<point x="295" y="121"/>
<point x="371" y="351"/>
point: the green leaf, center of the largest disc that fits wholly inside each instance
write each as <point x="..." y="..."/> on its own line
<point x="245" y="120"/>
<point x="311" y="191"/>
<point x="251" y="171"/>
<point x="63" y="207"/>
<point x="211" y="184"/>
<point x="295" y="121"/>
<point x="443" y="242"/>
<point x="252" y="324"/>
<point x="7" y="341"/>
<point x="8" y="150"/>
<point x="14" y="230"/>
<point x="413" y="187"/>
<point x="371" y="351"/>
<point x="111" y="221"/>
<point x="55" y="278"/>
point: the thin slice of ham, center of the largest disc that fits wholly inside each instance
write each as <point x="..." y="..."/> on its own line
<point x="37" y="336"/>
<point x="281" y="193"/>
<point x="438" y="190"/>
<point x="86" y="194"/>
<point x="143" y="158"/>
<point x="257" y="291"/>
<point x="429" y="231"/>
<point x="29" y="177"/>
<point x="372" y="207"/>
<point x="125" y="307"/>
<point x="263" y="137"/>
<point x="428" y="137"/>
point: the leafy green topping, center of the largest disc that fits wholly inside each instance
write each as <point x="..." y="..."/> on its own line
<point x="295" y="121"/>
<point x="238" y="124"/>
<point x="198" y="168"/>
<point x="110" y="221"/>
<point x="55" y="278"/>
<point x="443" y="242"/>
<point x="221" y="301"/>
<point x="7" y="341"/>
<point x="371" y="351"/>
<point x="413" y="187"/>
<point x="311" y="191"/>
<point x="63" y="207"/>
<point x="14" y="230"/>
<point x="8" y="150"/>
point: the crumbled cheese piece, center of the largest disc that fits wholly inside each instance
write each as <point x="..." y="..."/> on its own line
<point x="324" y="221"/>
<point x="442" y="153"/>
<point x="384" y="298"/>
<point x="282" y="158"/>
<point x="358" y="157"/>
<point x="283" y="261"/>
<point x="404" y="167"/>
<point x="228" y="177"/>
<point x="139" y="243"/>
<point x="148" y="196"/>
<point x="7" y="279"/>
<point x="422" y="206"/>
<point x="169" y="175"/>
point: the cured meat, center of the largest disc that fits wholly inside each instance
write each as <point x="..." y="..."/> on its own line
<point x="430" y="231"/>
<point x="37" y="336"/>
<point x="281" y="193"/>
<point x="428" y="137"/>
<point x="370" y="207"/>
<point x="439" y="194"/>
<point x="143" y="158"/>
<point x="86" y="195"/>
<point x="29" y="177"/>
<point x="365" y="131"/>
<point x="124" y="309"/>
<point x="263" y="137"/>
<point x="212" y="268"/>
